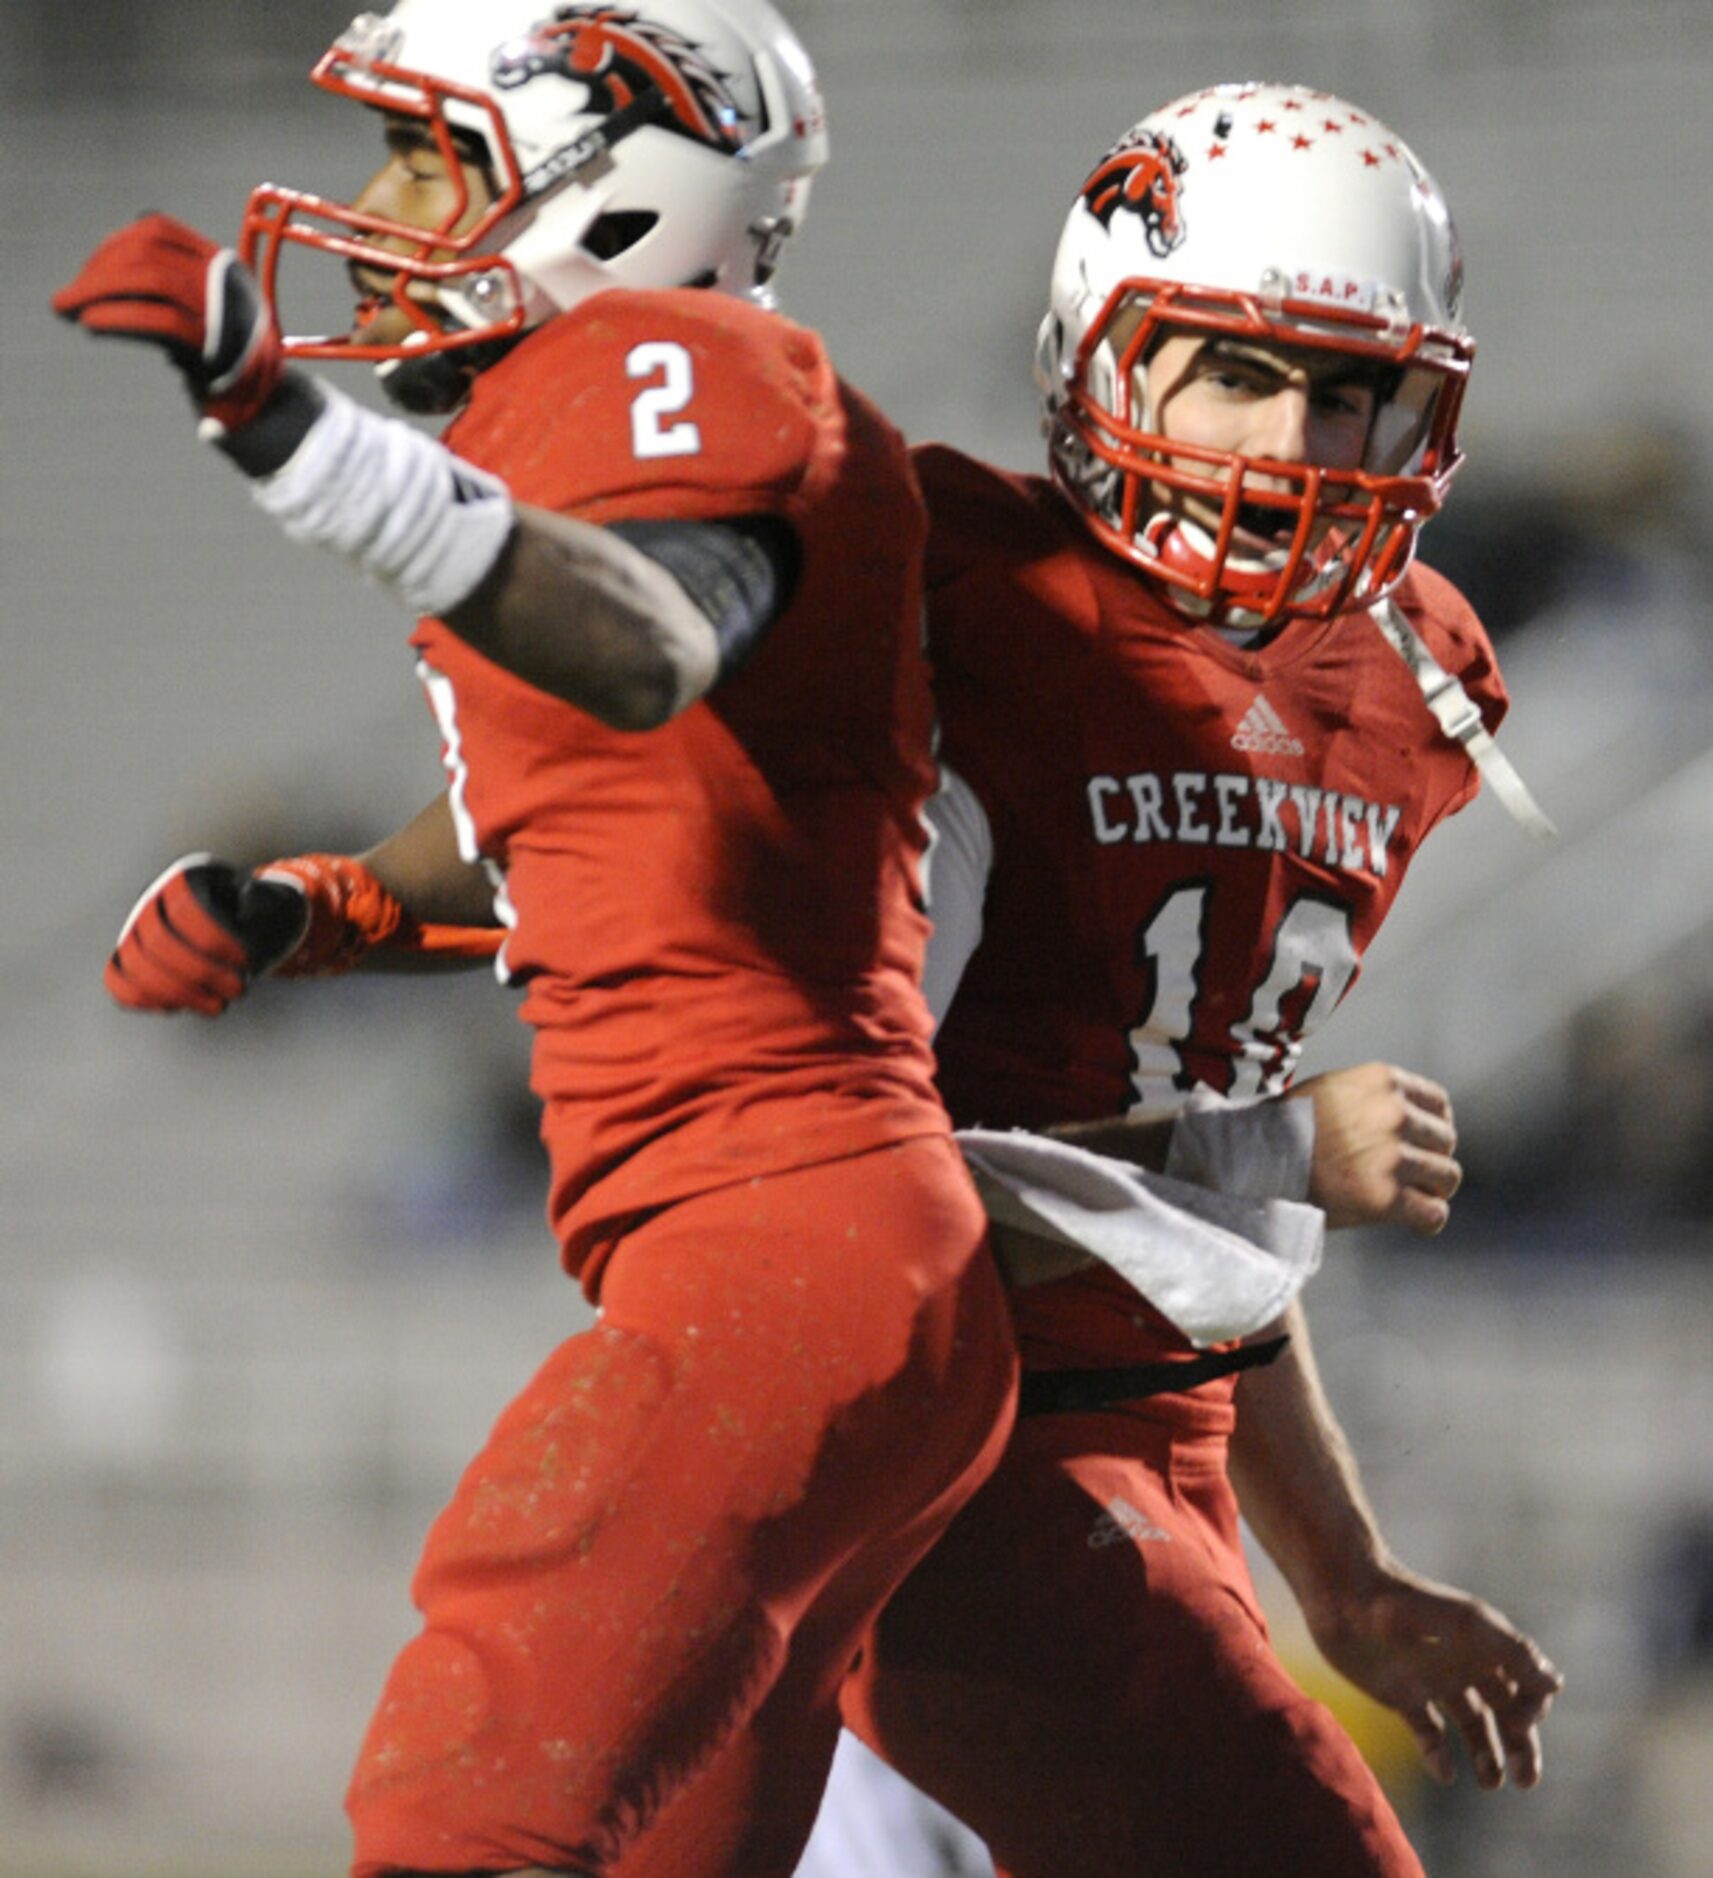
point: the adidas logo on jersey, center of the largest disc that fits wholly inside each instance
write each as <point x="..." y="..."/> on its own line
<point x="1263" y="731"/>
<point x="1123" y="1521"/>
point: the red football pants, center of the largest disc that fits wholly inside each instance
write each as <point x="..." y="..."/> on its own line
<point x="684" y="1525"/>
<point x="1080" y="1671"/>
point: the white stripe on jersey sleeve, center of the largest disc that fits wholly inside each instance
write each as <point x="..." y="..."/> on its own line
<point x="955" y="870"/>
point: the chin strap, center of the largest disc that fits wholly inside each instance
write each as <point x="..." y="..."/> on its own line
<point x="1460" y="719"/>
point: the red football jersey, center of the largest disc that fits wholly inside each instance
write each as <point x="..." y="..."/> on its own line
<point x="1192" y="844"/>
<point x="718" y="922"/>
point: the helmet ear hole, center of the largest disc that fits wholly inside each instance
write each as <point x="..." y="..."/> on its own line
<point x="619" y="230"/>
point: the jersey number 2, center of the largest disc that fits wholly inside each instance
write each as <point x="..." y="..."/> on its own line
<point x="663" y="360"/>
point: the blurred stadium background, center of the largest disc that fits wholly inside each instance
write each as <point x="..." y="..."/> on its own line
<point x="262" y="1284"/>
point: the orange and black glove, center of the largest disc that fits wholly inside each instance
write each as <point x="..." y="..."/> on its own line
<point x="205" y="931"/>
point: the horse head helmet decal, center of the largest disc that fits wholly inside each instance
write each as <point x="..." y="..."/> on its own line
<point x="1141" y="175"/>
<point x="619" y="55"/>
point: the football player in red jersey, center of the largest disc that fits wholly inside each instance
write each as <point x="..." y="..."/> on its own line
<point x="686" y="726"/>
<point x="1188" y="770"/>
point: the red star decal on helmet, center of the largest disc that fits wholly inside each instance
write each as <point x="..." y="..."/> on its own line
<point x="1217" y="150"/>
<point x="1356" y="117"/>
<point x="1332" y="124"/>
<point x="1300" y="142"/>
<point x="1264" y="125"/>
<point x="1391" y="149"/>
<point x="1293" y="104"/>
<point x="1370" y="159"/>
<point x="1189" y="109"/>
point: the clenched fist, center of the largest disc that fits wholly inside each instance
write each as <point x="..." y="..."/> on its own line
<point x="160" y="282"/>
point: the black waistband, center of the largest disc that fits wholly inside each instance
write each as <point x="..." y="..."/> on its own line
<point x="1049" y="1391"/>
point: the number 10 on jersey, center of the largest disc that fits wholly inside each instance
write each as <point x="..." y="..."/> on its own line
<point x="1177" y="1043"/>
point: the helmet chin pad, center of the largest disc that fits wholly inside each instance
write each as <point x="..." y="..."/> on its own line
<point x="1232" y="588"/>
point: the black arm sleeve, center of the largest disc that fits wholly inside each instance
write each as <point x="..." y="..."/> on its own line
<point x="740" y="573"/>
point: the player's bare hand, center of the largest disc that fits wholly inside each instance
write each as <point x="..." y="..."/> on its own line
<point x="163" y="283"/>
<point x="1451" y="1666"/>
<point x="1385" y="1148"/>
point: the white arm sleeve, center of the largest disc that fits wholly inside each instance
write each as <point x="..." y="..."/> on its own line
<point x="955" y="868"/>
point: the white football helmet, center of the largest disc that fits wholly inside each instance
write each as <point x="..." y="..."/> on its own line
<point x="663" y="143"/>
<point x="1283" y="217"/>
